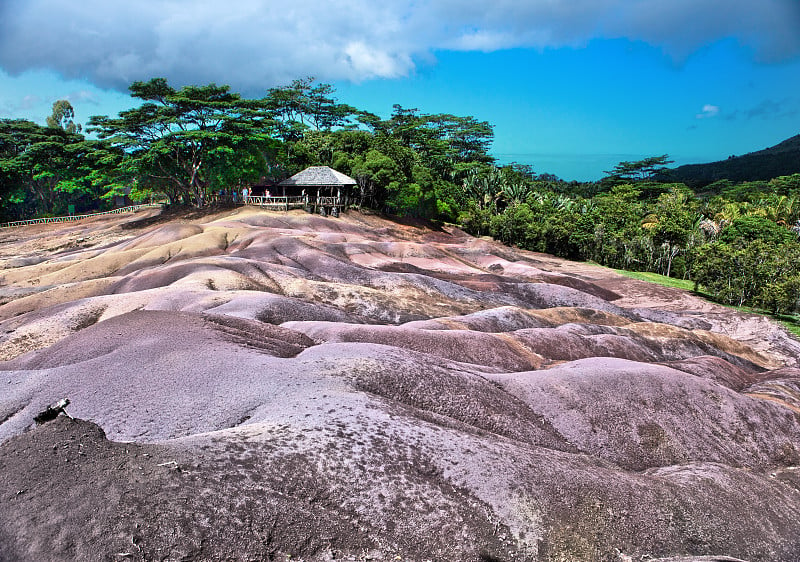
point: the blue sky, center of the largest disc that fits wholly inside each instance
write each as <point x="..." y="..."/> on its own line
<point x="571" y="86"/>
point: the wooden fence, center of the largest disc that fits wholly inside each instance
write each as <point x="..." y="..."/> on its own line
<point x="276" y="202"/>
<point x="314" y="204"/>
<point x="70" y="218"/>
<point x="273" y="203"/>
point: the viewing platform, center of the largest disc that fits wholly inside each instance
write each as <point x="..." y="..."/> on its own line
<point x="322" y="205"/>
<point x="276" y="203"/>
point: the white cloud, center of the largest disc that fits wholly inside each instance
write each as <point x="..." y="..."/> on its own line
<point x="480" y="40"/>
<point x="82" y="96"/>
<point x="256" y="44"/>
<point x="14" y="107"/>
<point x="708" y="111"/>
<point x="28" y="102"/>
<point x="368" y="62"/>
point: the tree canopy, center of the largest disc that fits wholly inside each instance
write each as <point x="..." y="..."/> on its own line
<point x="639" y="170"/>
<point x="176" y="139"/>
<point x="38" y="166"/>
<point x="62" y="117"/>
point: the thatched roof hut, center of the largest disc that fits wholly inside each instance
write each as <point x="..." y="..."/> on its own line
<point x="325" y="190"/>
<point x="318" y="176"/>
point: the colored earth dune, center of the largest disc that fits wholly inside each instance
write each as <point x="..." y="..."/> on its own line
<point x="250" y="385"/>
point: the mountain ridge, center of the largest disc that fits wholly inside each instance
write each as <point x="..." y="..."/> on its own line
<point x="782" y="159"/>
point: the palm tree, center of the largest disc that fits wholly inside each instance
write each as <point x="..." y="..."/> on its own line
<point x="514" y="193"/>
<point x="483" y="189"/>
<point x="729" y="213"/>
<point x="783" y="209"/>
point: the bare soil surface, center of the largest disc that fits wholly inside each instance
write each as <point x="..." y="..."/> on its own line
<point x="251" y="385"/>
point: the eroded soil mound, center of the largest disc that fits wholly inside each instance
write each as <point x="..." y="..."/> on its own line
<point x="273" y="386"/>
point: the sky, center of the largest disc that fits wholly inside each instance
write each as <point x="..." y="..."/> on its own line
<point x="571" y="87"/>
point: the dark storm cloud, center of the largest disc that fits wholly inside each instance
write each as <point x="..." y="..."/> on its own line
<point x="248" y="43"/>
<point x="769" y="27"/>
<point x="255" y="44"/>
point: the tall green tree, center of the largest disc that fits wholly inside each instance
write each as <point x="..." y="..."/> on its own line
<point x="12" y="192"/>
<point x="42" y="168"/>
<point x="449" y="144"/>
<point x="173" y="140"/>
<point x="748" y="228"/>
<point x="618" y="232"/>
<point x="62" y="117"/>
<point x="672" y="224"/>
<point x="306" y="105"/>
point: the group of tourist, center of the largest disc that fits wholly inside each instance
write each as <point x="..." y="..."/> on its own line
<point x="232" y="196"/>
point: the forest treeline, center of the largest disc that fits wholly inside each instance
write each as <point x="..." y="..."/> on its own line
<point x="184" y="145"/>
<point x="736" y="241"/>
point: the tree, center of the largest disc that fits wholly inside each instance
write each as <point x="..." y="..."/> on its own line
<point x="672" y="225"/>
<point x="640" y="170"/>
<point x="751" y="273"/>
<point x="515" y="192"/>
<point x="619" y="229"/>
<point x="730" y="274"/>
<point x="513" y="226"/>
<point x="305" y="105"/>
<point x="752" y="227"/>
<point x="448" y="144"/>
<point x="43" y="168"/>
<point x="786" y="185"/>
<point x="748" y="191"/>
<point x="377" y="175"/>
<point x="484" y="187"/>
<point x="62" y="117"/>
<point x="12" y="192"/>
<point x="780" y="296"/>
<point x="176" y="137"/>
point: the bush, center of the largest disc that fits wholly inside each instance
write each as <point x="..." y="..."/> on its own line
<point x="752" y="227"/>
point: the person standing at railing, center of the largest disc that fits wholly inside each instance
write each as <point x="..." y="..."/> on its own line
<point x="245" y="194"/>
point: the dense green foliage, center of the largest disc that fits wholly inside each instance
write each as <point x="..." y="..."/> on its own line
<point x="187" y="143"/>
<point x="738" y="242"/>
<point x="739" y="251"/>
<point x="43" y="170"/>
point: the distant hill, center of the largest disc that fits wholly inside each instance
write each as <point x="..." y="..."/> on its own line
<point x="780" y="160"/>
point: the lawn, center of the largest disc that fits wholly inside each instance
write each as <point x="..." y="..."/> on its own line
<point x="789" y="321"/>
<point x="658" y="279"/>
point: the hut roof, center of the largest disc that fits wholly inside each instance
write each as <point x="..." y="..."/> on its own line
<point x="319" y="176"/>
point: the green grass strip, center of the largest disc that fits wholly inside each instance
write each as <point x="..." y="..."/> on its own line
<point x="791" y="322"/>
<point x="658" y="279"/>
